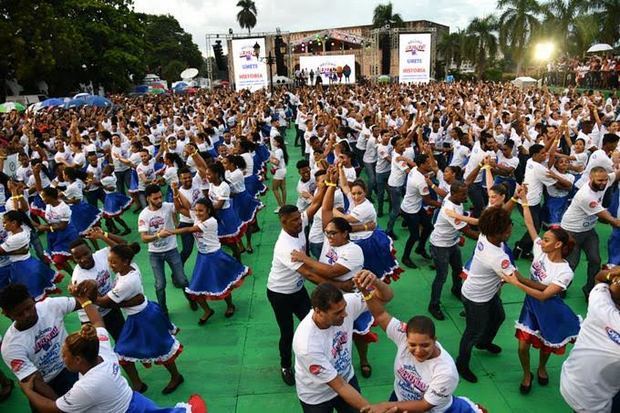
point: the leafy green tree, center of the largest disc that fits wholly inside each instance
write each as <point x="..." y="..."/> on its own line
<point x="517" y="23"/>
<point x="607" y="12"/>
<point x="450" y="47"/>
<point x="481" y="42"/>
<point x="247" y="15"/>
<point x="559" y="24"/>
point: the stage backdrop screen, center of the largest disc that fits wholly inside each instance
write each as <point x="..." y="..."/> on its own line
<point x="337" y="69"/>
<point x="250" y="73"/>
<point x="414" y="58"/>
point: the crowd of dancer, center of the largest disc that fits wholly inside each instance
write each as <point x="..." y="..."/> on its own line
<point x="451" y="160"/>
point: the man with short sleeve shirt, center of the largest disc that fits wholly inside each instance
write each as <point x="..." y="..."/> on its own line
<point x="32" y="344"/>
<point x="580" y="220"/>
<point x="325" y="379"/>
<point x="155" y="224"/>
<point x="445" y="247"/>
<point x="590" y="379"/>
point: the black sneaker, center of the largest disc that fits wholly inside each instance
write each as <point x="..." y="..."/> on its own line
<point x="467" y="374"/>
<point x="288" y="376"/>
<point x="491" y="348"/>
<point x="407" y="261"/>
<point x="436" y="313"/>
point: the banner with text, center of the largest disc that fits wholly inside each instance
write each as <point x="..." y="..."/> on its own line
<point x="250" y="72"/>
<point x="336" y="69"/>
<point x="414" y="58"/>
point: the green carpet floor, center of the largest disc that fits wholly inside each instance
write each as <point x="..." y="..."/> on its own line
<point x="234" y="363"/>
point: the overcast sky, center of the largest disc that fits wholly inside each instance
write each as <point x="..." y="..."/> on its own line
<point x="199" y="17"/>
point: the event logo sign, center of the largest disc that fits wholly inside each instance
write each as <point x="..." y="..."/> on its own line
<point x="337" y="69"/>
<point x="415" y="58"/>
<point x="250" y="72"/>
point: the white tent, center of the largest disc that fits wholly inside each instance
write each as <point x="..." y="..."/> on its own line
<point x="600" y="47"/>
<point x="525" y="82"/>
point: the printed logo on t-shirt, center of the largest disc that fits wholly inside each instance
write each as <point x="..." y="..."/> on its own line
<point x="331" y="256"/>
<point x="410" y="384"/>
<point x="45" y="339"/>
<point x="402" y="328"/>
<point x="340" y="353"/>
<point x="505" y="264"/>
<point x="480" y="246"/>
<point x="613" y="335"/>
<point x="593" y="204"/>
<point x="316" y="369"/>
<point x="16" y="365"/>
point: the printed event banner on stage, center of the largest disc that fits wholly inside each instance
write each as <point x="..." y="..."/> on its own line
<point x="414" y="58"/>
<point x="250" y="72"/>
<point x="336" y="69"/>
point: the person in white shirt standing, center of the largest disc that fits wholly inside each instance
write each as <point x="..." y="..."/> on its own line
<point x="590" y="380"/>
<point x="370" y="157"/>
<point x="580" y="221"/>
<point x="445" y="247"/>
<point x="484" y="311"/>
<point x="156" y="226"/>
<point x="325" y="379"/>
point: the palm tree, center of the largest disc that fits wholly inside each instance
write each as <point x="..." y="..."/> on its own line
<point x="560" y="18"/>
<point x="516" y="25"/>
<point x="608" y="14"/>
<point x="247" y="15"/>
<point x="481" y="42"/>
<point x="383" y="16"/>
<point x="450" y="47"/>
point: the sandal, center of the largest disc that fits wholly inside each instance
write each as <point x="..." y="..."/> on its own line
<point x="203" y="320"/>
<point x="230" y="311"/>
<point x="366" y="370"/>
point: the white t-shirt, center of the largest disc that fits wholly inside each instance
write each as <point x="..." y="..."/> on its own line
<point x="536" y="178"/>
<point x="207" y="240"/>
<point x="146" y="173"/>
<point x="193" y="194"/>
<point x="477" y="155"/>
<point x="123" y="152"/>
<point x="152" y="222"/>
<point x="416" y="189"/>
<point x="446" y="232"/>
<point x="100" y="273"/>
<point x="398" y="172"/>
<point x="57" y="214"/>
<point x="432" y="380"/>
<point x="370" y="155"/>
<point x="365" y="213"/>
<point x="591" y="373"/>
<point x="220" y="192"/>
<point x="310" y="187"/>
<point x="39" y="347"/>
<point x="547" y="272"/>
<point x="461" y="154"/>
<point x="349" y="255"/>
<point x="283" y="277"/>
<point x="235" y="181"/>
<point x="598" y="158"/>
<point x="323" y="354"/>
<point x="383" y="164"/>
<point x="128" y="286"/>
<point x="102" y="389"/>
<point x="316" y="235"/>
<point x="16" y="242"/>
<point x="556" y="192"/>
<point x="488" y="264"/>
<point x="580" y="216"/>
<point x="75" y="190"/>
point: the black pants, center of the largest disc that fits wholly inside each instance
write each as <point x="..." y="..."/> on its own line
<point x="479" y="199"/>
<point x="416" y="222"/>
<point x="114" y="322"/>
<point x="284" y="307"/>
<point x="587" y="242"/>
<point x="92" y="197"/>
<point x="482" y="322"/>
<point x="123" y="181"/>
<point x="187" y="242"/>
<point x="526" y="243"/>
<point x="336" y="403"/>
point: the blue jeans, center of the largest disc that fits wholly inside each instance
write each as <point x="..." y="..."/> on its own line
<point x="315" y="249"/>
<point x="173" y="258"/>
<point x="187" y="242"/>
<point x="396" y="197"/>
<point x="381" y="178"/>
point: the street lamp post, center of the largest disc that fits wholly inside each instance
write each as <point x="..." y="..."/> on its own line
<point x="269" y="60"/>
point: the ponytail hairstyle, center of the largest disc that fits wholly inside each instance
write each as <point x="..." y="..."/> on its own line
<point x="126" y="252"/>
<point x="500" y="189"/>
<point x="18" y="216"/>
<point x="84" y="343"/>
<point x="206" y="202"/>
<point x="237" y="160"/>
<point x="282" y="145"/>
<point x="218" y="170"/>
<point x="568" y="243"/>
<point x="175" y="159"/>
<point x="246" y="146"/>
<point x="457" y="171"/>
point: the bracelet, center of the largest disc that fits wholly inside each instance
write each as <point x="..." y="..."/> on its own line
<point x="51" y="228"/>
<point x="608" y="276"/>
<point x="486" y="167"/>
<point x="86" y="303"/>
<point x="17" y="196"/>
<point x="369" y="296"/>
<point x="105" y="234"/>
<point x="525" y="205"/>
<point x="514" y="199"/>
<point x="157" y="235"/>
<point x="330" y="184"/>
<point x="365" y="227"/>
